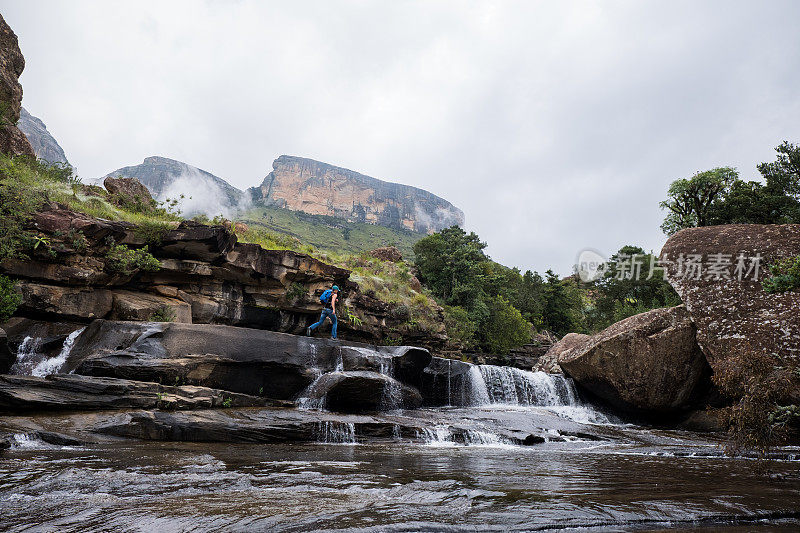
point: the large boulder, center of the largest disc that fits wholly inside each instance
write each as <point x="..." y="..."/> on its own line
<point x="129" y="192"/>
<point x="387" y="253"/>
<point x="12" y="63"/>
<point x="734" y="316"/>
<point x="549" y="361"/>
<point x="648" y="363"/>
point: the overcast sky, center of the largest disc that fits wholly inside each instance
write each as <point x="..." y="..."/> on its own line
<point x="554" y="125"/>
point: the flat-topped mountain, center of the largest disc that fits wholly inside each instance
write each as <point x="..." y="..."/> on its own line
<point x="168" y="178"/>
<point x="44" y="144"/>
<point x="317" y="188"/>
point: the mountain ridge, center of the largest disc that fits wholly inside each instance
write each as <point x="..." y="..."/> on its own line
<point x="315" y="187"/>
<point x="44" y="144"/>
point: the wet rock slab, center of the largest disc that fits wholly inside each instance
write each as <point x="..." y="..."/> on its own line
<point x="248" y="361"/>
<point x="74" y="392"/>
<point x="294" y="425"/>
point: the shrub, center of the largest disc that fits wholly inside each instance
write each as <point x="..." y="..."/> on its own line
<point x="9" y="298"/>
<point x="125" y="260"/>
<point x="785" y="276"/>
<point x="295" y="292"/>
<point x="152" y="231"/>
<point x="761" y="413"/>
<point x="164" y="313"/>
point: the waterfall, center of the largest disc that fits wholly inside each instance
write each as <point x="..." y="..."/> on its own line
<point x="332" y="432"/>
<point x="32" y="362"/>
<point x="512" y="386"/>
<point x="499" y="385"/>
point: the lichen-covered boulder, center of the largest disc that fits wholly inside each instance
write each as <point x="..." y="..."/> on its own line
<point x="647" y="363"/>
<point x="734" y="316"/>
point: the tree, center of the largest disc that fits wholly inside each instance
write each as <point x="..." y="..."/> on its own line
<point x="775" y="201"/>
<point x="450" y="263"/>
<point x="625" y="290"/>
<point x="504" y="327"/>
<point x="563" y="305"/>
<point x="690" y="201"/>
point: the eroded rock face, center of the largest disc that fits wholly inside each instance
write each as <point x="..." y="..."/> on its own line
<point x="646" y="363"/>
<point x="736" y="317"/>
<point x="12" y="63"/>
<point x="321" y="189"/>
<point x="549" y="361"/>
<point x="74" y="392"/>
<point x="206" y="276"/>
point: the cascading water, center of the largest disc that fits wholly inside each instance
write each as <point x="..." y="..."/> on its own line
<point x="32" y="362"/>
<point x="489" y="385"/>
<point x="331" y="432"/>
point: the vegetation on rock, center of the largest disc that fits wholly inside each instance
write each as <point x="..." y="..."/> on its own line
<point x="785" y="276"/>
<point x="127" y="260"/>
<point x="9" y="298"/>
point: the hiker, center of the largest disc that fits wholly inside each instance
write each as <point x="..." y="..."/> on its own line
<point x="328" y="299"/>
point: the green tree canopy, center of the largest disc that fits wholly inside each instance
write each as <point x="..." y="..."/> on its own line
<point x="689" y="201"/>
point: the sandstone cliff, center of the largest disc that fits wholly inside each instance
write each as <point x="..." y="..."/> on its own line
<point x="44" y="144"/>
<point x="168" y="178"/>
<point x="12" y="140"/>
<point x="318" y="188"/>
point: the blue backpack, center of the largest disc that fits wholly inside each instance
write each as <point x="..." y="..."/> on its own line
<point x="325" y="297"/>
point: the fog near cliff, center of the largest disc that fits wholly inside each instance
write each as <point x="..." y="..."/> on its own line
<point x="553" y="125"/>
<point x="197" y="194"/>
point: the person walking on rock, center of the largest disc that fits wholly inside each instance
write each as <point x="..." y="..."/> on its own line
<point x="328" y="299"/>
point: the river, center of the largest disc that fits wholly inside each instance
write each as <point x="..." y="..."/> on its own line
<point x="512" y="450"/>
<point x="406" y="486"/>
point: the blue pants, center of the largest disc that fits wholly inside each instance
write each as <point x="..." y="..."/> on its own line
<point x="326" y="313"/>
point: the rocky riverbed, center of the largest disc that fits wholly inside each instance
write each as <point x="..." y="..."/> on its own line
<point x="171" y="427"/>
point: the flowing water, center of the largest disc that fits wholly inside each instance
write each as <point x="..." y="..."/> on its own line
<point x="131" y="486"/>
<point x="459" y="471"/>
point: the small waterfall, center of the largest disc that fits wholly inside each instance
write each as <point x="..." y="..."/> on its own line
<point x="332" y="432"/>
<point x="54" y="364"/>
<point x="32" y="362"/>
<point x="339" y="360"/>
<point x="308" y="399"/>
<point x="28" y="356"/>
<point x="474" y="437"/>
<point x="512" y="386"/>
<point x="500" y="385"/>
<point x="440" y="436"/>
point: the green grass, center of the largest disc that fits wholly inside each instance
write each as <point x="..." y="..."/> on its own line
<point x="330" y="234"/>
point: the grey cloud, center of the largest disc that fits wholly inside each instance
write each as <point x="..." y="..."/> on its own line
<point x="554" y="126"/>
